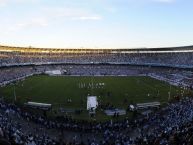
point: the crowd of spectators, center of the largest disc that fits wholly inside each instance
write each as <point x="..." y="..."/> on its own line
<point x="10" y="129"/>
<point x="181" y="59"/>
<point x="171" y="125"/>
<point x="176" y="77"/>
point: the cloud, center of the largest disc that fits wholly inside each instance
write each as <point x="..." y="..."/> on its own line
<point x="70" y="14"/>
<point x="164" y="1"/>
<point x="38" y="22"/>
<point x="35" y="22"/>
<point x="87" y="18"/>
<point x="48" y="16"/>
<point x="6" y="2"/>
<point x="3" y="2"/>
<point x="45" y="16"/>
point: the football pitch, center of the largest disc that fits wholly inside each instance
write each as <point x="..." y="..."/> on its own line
<point x="116" y="91"/>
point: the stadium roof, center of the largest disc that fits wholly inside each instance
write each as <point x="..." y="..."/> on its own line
<point x="94" y="50"/>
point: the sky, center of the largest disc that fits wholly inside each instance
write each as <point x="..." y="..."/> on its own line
<point x="96" y="23"/>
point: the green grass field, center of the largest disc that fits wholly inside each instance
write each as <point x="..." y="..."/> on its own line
<point x="114" y="90"/>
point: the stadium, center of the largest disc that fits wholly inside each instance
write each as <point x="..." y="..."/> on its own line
<point x="136" y="96"/>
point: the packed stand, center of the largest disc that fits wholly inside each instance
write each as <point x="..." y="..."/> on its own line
<point x="180" y="59"/>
